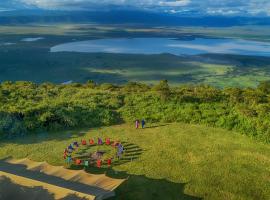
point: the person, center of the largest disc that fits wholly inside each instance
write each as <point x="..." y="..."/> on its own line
<point x="69" y="159"/>
<point x="143" y="123"/>
<point x="75" y="144"/>
<point x="65" y="153"/>
<point x="70" y="148"/>
<point x="86" y="163"/>
<point x="108" y="141"/>
<point x="83" y="142"/>
<point x="78" y="161"/>
<point x="115" y="144"/>
<point x="100" y="141"/>
<point x="99" y="163"/>
<point x="109" y="162"/>
<point x="120" y="150"/>
<point x="137" y="123"/>
<point x="91" y="142"/>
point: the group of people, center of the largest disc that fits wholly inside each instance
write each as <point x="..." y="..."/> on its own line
<point x="137" y="123"/>
<point x="75" y="145"/>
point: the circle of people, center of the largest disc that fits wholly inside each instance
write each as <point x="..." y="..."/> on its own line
<point x="75" y="145"/>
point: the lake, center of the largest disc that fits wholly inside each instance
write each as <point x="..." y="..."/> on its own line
<point x="167" y="45"/>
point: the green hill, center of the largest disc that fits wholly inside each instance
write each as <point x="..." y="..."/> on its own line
<point x="171" y="161"/>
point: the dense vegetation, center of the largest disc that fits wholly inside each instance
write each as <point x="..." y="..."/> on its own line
<point x="26" y="107"/>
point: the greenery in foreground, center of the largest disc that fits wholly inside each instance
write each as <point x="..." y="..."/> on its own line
<point x="174" y="161"/>
<point x="27" y="107"/>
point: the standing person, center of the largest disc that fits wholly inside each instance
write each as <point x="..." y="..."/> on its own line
<point x="100" y="142"/>
<point x="99" y="163"/>
<point x="143" y="123"/>
<point x="108" y="141"/>
<point x="91" y="142"/>
<point x="137" y="123"/>
<point x="86" y="163"/>
<point x="109" y="162"/>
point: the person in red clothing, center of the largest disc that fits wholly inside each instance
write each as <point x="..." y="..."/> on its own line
<point x="109" y="162"/>
<point x="99" y="163"/>
<point x="108" y="141"/>
<point x="83" y="142"/>
<point x="91" y="142"/>
<point x="78" y="162"/>
<point x="65" y="153"/>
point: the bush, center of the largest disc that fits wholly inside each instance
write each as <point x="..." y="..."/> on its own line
<point x="26" y="107"/>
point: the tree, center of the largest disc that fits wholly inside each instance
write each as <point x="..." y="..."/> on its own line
<point x="264" y="86"/>
<point x="164" y="89"/>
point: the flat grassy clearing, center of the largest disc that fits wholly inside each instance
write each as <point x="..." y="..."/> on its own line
<point x="169" y="161"/>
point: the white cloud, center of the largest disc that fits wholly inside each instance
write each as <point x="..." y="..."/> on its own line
<point x="174" y="3"/>
<point x="210" y="7"/>
<point x="92" y="3"/>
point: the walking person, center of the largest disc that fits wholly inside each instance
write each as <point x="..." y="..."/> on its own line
<point x="143" y="123"/>
<point x="137" y="123"/>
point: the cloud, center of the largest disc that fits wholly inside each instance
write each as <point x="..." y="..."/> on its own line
<point x="203" y="7"/>
<point x="174" y="3"/>
<point x="93" y="3"/>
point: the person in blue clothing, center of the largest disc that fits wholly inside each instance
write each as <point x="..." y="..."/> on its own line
<point x="143" y="123"/>
<point x="76" y="144"/>
<point x="70" y="148"/>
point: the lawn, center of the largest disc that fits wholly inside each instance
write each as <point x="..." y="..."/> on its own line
<point x="168" y="161"/>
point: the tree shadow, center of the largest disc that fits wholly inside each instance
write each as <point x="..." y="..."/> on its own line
<point x="143" y="188"/>
<point x="21" y="170"/>
<point x="45" y="136"/>
<point x="13" y="191"/>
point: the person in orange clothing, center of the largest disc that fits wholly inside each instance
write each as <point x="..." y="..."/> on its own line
<point x="83" y="142"/>
<point x="108" y="141"/>
<point x="109" y="162"/>
<point x="91" y="142"/>
<point x="99" y="163"/>
<point x="78" y="161"/>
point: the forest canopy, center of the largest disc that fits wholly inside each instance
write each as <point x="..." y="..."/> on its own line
<point x="26" y="107"/>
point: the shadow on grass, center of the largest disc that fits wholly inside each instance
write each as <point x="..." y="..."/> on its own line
<point x="132" y="152"/>
<point x="156" y="126"/>
<point x="143" y="188"/>
<point x="134" y="188"/>
<point x="44" y="136"/>
<point x="13" y="191"/>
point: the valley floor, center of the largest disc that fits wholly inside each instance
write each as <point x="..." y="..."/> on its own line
<point x="169" y="161"/>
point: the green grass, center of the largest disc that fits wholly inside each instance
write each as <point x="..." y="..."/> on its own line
<point x="170" y="161"/>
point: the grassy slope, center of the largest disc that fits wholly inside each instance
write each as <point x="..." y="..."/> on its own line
<point x="175" y="161"/>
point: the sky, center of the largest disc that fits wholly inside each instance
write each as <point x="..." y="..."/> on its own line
<point x="204" y="7"/>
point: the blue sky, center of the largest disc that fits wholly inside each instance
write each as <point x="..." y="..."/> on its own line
<point x="205" y="7"/>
